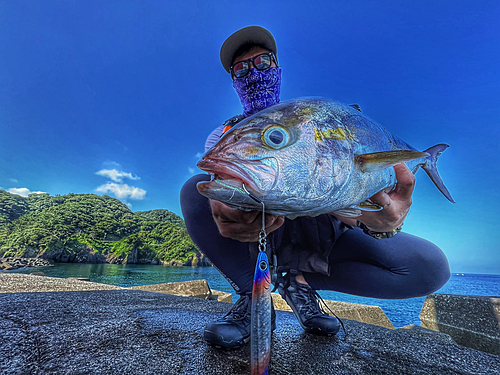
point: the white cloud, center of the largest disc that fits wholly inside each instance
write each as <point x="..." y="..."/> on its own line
<point x="24" y="192"/>
<point x="116" y="175"/>
<point x="13" y="180"/>
<point x="122" y="191"/>
<point x="191" y="170"/>
<point x="198" y="155"/>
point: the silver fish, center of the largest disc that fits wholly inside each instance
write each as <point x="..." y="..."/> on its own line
<point x="310" y="156"/>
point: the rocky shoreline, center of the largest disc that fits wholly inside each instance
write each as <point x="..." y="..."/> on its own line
<point x="14" y="263"/>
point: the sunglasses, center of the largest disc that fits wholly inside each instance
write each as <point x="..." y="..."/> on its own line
<point x="261" y="62"/>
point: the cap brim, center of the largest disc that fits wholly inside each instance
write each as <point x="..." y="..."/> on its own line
<point x="248" y="35"/>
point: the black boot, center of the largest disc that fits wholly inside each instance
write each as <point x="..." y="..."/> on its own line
<point x="233" y="330"/>
<point x="304" y="302"/>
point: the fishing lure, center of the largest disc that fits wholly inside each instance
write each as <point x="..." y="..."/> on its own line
<point x="260" y="344"/>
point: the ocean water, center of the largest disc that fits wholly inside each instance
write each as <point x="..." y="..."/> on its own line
<point x="400" y="312"/>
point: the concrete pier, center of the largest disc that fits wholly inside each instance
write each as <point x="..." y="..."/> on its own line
<point x="98" y="331"/>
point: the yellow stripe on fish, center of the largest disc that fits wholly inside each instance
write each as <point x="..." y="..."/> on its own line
<point x="337" y="133"/>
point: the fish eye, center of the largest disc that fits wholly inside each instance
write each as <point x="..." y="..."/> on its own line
<point x="276" y="137"/>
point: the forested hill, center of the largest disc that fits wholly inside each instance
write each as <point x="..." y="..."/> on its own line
<point x="91" y="228"/>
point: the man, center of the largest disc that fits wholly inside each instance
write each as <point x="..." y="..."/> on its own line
<point x="366" y="257"/>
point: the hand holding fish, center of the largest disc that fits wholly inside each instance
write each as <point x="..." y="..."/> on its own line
<point x="396" y="204"/>
<point x="243" y="226"/>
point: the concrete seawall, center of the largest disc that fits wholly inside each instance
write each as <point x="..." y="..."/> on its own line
<point x="103" y="329"/>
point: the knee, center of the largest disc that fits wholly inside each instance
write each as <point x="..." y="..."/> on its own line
<point x="189" y="188"/>
<point x="192" y="202"/>
<point x="432" y="267"/>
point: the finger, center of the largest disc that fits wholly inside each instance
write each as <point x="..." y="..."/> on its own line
<point x="248" y="217"/>
<point x="276" y="222"/>
<point x="227" y="214"/>
<point x="382" y="199"/>
<point x="239" y="232"/>
<point x="405" y="182"/>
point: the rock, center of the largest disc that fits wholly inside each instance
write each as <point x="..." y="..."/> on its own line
<point x="174" y="263"/>
<point x="12" y="263"/>
<point x="193" y="288"/>
<point x="6" y="266"/>
<point x="344" y="310"/>
<point x="472" y="321"/>
<point x="38" y="274"/>
<point x="189" y="262"/>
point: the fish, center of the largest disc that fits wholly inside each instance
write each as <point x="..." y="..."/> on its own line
<point x="310" y="156"/>
<point x="260" y="329"/>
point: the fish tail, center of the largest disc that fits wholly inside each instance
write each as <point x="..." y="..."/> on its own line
<point x="430" y="167"/>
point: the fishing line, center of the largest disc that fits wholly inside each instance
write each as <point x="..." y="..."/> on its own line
<point x="262" y="239"/>
<point x="262" y="233"/>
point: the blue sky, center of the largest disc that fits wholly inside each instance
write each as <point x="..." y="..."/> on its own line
<point x="118" y="97"/>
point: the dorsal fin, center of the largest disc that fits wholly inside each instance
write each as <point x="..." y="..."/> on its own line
<point x="356" y="106"/>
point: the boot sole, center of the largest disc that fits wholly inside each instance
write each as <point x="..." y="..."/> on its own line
<point x="218" y="342"/>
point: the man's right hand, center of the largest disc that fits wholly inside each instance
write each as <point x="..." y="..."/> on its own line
<point x="241" y="225"/>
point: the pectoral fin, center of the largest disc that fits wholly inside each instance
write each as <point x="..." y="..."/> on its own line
<point x="377" y="161"/>
<point x="369" y="206"/>
<point x="355" y="211"/>
<point x="348" y="212"/>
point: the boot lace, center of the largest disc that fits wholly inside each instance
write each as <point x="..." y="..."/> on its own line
<point x="240" y="309"/>
<point x="312" y="301"/>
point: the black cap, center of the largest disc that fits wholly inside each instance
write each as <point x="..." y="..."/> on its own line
<point x="248" y="35"/>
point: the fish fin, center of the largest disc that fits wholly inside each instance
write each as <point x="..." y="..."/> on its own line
<point x="356" y="106"/>
<point x="348" y="212"/>
<point x="430" y="167"/>
<point x="377" y="161"/>
<point x="368" y="206"/>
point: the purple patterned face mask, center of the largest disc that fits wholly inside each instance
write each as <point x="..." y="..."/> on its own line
<point x="259" y="89"/>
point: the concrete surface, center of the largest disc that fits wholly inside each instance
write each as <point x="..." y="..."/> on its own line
<point x="344" y="310"/>
<point x="20" y="283"/>
<point x="472" y="321"/>
<point x="138" y="332"/>
<point x="418" y="330"/>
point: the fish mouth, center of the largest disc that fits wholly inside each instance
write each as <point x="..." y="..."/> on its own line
<point x="255" y="177"/>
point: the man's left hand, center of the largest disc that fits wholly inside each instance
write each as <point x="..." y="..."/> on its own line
<point x="396" y="204"/>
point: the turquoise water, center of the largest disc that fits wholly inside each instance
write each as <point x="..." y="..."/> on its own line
<point x="400" y="312"/>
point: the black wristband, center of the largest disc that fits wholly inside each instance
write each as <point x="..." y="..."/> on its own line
<point x="378" y="235"/>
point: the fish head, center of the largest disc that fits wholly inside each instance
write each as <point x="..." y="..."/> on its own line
<point x="277" y="158"/>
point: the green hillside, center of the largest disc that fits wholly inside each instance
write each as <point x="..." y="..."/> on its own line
<point x="91" y="228"/>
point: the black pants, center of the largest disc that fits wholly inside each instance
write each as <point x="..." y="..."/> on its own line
<point x="404" y="266"/>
